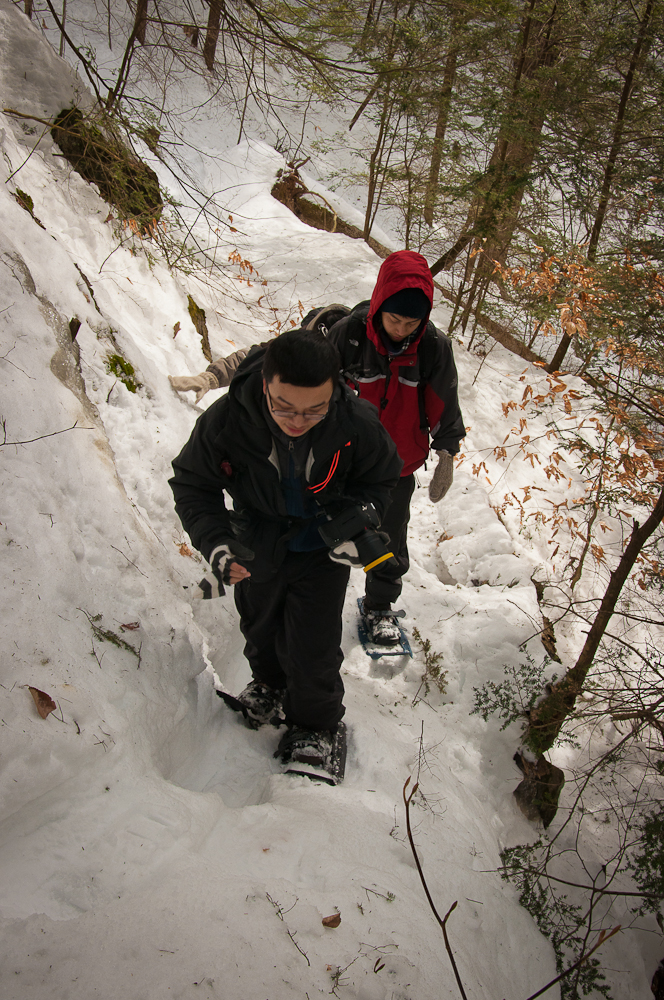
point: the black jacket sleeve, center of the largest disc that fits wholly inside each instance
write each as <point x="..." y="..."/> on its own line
<point x="442" y="379"/>
<point x="197" y="483"/>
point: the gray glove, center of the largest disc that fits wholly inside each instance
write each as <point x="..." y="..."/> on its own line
<point x="200" y="384"/>
<point x="442" y="477"/>
<point x="221" y="558"/>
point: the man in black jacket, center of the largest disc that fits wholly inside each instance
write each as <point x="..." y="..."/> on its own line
<point x="396" y="359"/>
<point x="297" y="452"/>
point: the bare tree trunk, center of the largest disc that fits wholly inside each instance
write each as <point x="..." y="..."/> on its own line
<point x="618" y="132"/>
<point x="559" y="356"/>
<point x="123" y="72"/>
<point x="441" y="127"/>
<point x="547" y="718"/>
<point x="141" y="22"/>
<point x="368" y="22"/>
<point x="494" y="213"/>
<point x="212" y="33"/>
<point x="28" y="8"/>
<point x="609" y="170"/>
<point x="375" y="162"/>
<point x="64" y="23"/>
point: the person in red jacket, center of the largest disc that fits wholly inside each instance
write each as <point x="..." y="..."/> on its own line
<point x="396" y="359"/>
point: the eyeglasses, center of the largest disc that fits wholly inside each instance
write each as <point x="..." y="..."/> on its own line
<point x="311" y="418"/>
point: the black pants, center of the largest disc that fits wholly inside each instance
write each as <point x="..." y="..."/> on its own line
<point x="384" y="583"/>
<point x="292" y="625"/>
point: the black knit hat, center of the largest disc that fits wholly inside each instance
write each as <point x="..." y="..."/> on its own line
<point x="410" y="302"/>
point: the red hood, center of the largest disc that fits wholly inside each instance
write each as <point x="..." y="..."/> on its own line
<point x="403" y="269"/>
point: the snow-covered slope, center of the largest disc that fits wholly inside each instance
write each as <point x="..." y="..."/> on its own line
<point x="148" y="846"/>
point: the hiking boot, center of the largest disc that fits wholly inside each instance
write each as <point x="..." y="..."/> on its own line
<point x="261" y="704"/>
<point x="306" y="746"/>
<point x="382" y="626"/>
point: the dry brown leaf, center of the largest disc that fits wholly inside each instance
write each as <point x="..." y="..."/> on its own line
<point x="44" y="702"/>
<point x="176" y="329"/>
<point x="333" y="921"/>
<point x="130" y="626"/>
<point x="184" y="550"/>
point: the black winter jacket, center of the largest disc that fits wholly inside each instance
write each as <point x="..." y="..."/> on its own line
<point x="351" y="460"/>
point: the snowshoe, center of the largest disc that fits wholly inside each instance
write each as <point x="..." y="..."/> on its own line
<point x="380" y="633"/>
<point x="316" y="754"/>
<point x="258" y="703"/>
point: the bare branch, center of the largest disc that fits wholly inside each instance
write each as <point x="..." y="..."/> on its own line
<point x="41" y="437"/>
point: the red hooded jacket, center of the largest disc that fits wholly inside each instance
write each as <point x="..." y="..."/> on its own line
<point x="414" y="391"/>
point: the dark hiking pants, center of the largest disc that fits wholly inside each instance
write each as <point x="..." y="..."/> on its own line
<point x="384" y="583"/>
<point x="292" y="627"/>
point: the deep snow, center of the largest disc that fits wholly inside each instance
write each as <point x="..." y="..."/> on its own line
<point x="149" y="846"/>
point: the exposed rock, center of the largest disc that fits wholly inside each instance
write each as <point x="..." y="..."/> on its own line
<point x="538" y="793"/>
<point x="102" y="159"/>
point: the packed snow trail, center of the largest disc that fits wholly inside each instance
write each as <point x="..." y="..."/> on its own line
<point x="149" y="846"/>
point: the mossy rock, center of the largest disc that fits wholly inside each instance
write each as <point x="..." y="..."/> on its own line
<point x="102" y="159"/>
<point x="123" y="371"/>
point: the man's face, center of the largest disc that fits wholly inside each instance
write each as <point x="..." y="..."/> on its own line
<point x="295" y="409"/>
<point x="398" y="327"/>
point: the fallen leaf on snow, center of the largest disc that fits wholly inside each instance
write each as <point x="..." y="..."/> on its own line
<point x="176" y="329"/>
<point x="130" y="626"/>
<point x="184" y="550"/>
<point x="44" y="702"/>
<point x="332" y="921"/>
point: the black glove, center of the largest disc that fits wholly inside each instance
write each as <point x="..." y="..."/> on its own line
<point x="212" y="584"/>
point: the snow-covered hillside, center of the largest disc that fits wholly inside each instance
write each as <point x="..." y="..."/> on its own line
<point x="149" y="848"/>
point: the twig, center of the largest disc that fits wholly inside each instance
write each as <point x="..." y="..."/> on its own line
<point x="96" y="655"/>
<point x="389" y="898"/>
<point x="441" y="920"/>
<point x="129" y="561"/>
<point x="578" y="885"/>
<point x="280" y="913"/>
<point x="602" y="938"/>
<point x="42" y="437"/>
<point x="21" y="165"/>
<point x="303" y="953"/>
<point x="5" y="357"/>
<point x="84" y="62"/>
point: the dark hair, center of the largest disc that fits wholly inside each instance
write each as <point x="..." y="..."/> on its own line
<point x="301" y="357"/>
